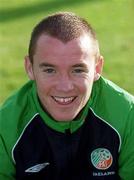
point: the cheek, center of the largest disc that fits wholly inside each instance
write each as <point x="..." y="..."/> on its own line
<point x="84" y="92"/>
<point x="85" y="86"/>
<point x="42" y="87"/>
<point x="86" y="83"/>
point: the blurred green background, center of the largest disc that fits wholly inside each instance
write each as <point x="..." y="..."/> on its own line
<point x="112" y="20"/>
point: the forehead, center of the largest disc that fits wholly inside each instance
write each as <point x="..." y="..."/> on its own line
<point x="47" y="44"/>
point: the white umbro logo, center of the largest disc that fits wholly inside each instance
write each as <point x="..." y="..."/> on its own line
<point x="37" y="167"/>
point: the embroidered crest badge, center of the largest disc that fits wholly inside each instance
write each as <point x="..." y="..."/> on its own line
<point x="101" y="158"/>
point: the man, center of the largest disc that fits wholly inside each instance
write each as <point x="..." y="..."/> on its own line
<point x="68" y="122"/>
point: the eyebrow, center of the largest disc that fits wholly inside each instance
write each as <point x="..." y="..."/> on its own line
<point x="80" y="65"/>
<point x="46" y="65"/>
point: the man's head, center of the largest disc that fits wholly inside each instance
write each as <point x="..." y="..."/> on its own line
<point x="64" y="61"/>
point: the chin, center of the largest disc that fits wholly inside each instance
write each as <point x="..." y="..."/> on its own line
<point x="64" y="118"/>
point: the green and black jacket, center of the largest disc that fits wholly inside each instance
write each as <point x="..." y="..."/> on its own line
<point x="99" y="145"/>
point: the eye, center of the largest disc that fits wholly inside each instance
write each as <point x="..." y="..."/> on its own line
<point x="49" y="70"/>
<point x="79" y="70"/>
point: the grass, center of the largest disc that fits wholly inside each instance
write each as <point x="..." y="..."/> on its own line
<point x="112" y="20"/>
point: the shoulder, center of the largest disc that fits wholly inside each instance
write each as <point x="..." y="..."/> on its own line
<point x="113" y="104"/>
<point x="17" y="101"/>
<point x="16" y="111"/>
<point x="110" y="94"/>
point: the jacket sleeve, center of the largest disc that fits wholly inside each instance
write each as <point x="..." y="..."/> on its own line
<point x="7" y="169"/>
<point x="126" y="156"/>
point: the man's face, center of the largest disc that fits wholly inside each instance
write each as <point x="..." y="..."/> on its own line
<point x="64" y="75"/>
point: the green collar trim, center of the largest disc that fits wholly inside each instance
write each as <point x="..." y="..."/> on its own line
<point x="60" y="126"/>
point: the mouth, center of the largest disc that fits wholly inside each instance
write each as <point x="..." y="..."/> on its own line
<point x="64" y="100"/>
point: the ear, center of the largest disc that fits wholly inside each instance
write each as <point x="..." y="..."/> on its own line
<point x="98" y="68"/>
<point x="29" y="68"/>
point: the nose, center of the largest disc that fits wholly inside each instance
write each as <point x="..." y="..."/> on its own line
<point x="64" y="83"/>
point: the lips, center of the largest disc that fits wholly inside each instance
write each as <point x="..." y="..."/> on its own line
<point x="64" y="100"/>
